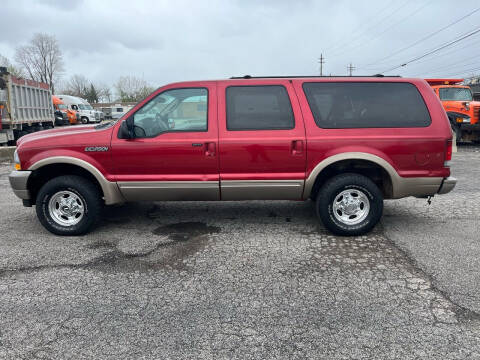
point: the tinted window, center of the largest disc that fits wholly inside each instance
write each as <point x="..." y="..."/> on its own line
<point x="258" y="108"/>
<point x="173" y="110"/>
<point x="366" y="105"/>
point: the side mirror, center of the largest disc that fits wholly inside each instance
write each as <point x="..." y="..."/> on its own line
<point x="127" y="129"/>
<point x="124" y="132"/>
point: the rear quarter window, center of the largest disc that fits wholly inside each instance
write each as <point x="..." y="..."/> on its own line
<point x="366" y="105"/>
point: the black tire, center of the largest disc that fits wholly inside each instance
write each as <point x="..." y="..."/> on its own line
<point x="357" y="183"/>
<point x="87" y="193"/>
<point x="84" y="120"/>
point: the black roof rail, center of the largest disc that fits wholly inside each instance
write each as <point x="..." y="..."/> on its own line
<point x="307" y="76"/>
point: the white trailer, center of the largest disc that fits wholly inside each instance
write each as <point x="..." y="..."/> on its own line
<point x="25" y="107"/>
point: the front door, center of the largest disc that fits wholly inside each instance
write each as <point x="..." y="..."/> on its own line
<point x="174" y="153"/>
<point x="262" y="140"/>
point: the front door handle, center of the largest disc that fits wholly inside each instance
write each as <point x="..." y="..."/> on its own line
<point x="210" y="149"/>
<point x="297" y="147"/>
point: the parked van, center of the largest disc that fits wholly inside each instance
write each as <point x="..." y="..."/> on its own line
<point x="71" y="115"/>
<point x="85" y="110"/>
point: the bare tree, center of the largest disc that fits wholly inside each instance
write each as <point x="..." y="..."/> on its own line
<point x="104" y="92"/>
<point x="41" y="59"/>
<point x="131" y="88"/>
<point x="77" y="85"/>
<point x="12" y="69"/>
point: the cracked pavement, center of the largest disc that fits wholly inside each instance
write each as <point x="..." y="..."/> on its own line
<point x="245" y="280"/>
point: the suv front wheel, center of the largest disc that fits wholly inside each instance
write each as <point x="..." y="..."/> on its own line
<point x="68" y="205"/>
<point x="349" y="204"/>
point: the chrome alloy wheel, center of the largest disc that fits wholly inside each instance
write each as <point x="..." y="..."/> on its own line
<point x="351" y="207"/>
<point x="66" y="208"/>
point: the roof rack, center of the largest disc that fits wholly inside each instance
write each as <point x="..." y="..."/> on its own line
<point x="308" y="76"/>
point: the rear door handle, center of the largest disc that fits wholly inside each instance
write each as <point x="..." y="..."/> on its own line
<point x="210" y="149"/>
<point x="297" y="147"/>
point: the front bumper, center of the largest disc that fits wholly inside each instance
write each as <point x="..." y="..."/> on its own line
<point x="447" y="185"/>
<point x="18" y="182"/>
<point x="470" y="127"/>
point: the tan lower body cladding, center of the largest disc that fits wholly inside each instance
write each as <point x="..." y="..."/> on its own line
<point x="210" y="190"/>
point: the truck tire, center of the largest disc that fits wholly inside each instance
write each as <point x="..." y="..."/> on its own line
<point x="84" y="120"/>
<point x="349" y="204"/>
<point x="69" y="205"/>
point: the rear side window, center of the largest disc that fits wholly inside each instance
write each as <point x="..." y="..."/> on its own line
<point x="366" y="105"/>
<point x="258" y="108"/>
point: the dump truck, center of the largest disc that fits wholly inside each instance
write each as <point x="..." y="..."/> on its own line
<point x="25" y="107"/>
<point x="462" y="111"/>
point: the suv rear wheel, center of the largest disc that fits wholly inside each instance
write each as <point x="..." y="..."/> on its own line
<point x="349" y="204"/>
<point x="68" y="205"/>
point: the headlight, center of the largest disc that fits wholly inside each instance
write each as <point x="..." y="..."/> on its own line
<point x="16" y="161"/>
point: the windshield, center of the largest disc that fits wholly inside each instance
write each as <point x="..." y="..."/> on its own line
<point x="455" y="93"/>
<point x="82" y="107"/>
<point x="88" y="107"/>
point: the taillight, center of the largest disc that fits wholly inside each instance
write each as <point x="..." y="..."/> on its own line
<point x="448" y="152"/>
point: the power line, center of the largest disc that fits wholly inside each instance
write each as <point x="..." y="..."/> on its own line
<point x="360" y="35"/>
<point x="454" y="65"/>
<point x="426" y="37"/>
<point x="335" y="44"/>
<point x="453" y="49"/>
<point x="369" y="40"/>
<point x="463" y="71"/>
<point x="435" y="50"/>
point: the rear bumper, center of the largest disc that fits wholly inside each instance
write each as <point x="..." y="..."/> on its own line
<point x="18" y="182"/>
<point x="447" y="185"/>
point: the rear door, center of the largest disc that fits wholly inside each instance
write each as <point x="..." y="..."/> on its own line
<point x="262" y="146"/>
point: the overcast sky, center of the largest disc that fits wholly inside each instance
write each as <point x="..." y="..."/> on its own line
<point x="165" y="41"/>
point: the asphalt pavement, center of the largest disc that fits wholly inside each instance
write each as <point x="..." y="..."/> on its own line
<point x="245" y="280"/>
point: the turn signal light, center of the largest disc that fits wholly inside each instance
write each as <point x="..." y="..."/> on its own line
<point x="18" y="167"/>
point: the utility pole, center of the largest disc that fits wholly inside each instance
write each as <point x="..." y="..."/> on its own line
<point x="350" y="68"/>
<point x="321" y="61"/>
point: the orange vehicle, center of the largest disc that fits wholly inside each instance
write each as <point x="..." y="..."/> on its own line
<point x="463" y="112"/>
<point x="60" y="106"/>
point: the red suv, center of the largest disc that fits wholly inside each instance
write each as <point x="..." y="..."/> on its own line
<point x="346" y="143"/>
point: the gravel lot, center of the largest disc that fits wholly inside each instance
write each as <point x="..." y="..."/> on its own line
<point x="245" y="280"/>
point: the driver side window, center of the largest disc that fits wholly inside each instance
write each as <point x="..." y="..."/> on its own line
<point x="173" y="110"/>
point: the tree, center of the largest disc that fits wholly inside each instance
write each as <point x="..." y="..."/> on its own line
<point x="12" y="69"/>
<point x="77" y="85"/>
<point x="104" y="92"/>
<point x="92" y="95"/>
<point x="41" y="59"/>
<point x="132" y="89"/>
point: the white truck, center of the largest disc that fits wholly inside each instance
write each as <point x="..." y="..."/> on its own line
<point x="25" y="107"/>
<point x="99" y="115"/>
<point x="85" y="110"/>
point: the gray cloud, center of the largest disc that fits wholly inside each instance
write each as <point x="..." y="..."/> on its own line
<point x="166" y="41"/>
